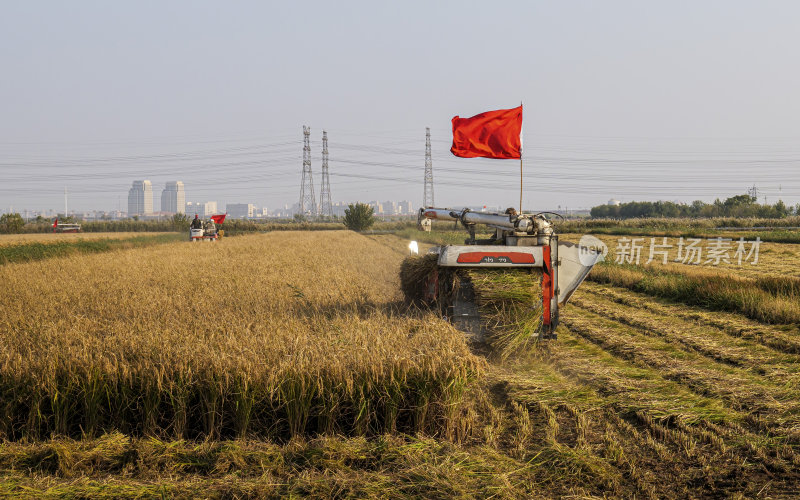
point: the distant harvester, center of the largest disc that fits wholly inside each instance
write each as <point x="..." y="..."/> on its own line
<point x="63" y="227"/>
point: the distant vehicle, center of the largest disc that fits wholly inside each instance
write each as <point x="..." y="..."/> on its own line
<point x="65" y="227"/>
<point x="202" y="235"/>
<point x="208" y="231"/>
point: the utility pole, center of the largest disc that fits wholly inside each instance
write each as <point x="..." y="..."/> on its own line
<point x="427" y="199"/>
<point x="66" y="214"/>
<point x="308" y="203"/>
<point x="325" y="208"/>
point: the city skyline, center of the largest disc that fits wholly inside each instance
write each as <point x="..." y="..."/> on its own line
<point x="141" y="203"/>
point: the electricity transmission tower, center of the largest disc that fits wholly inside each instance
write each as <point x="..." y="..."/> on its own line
<point x="325" y="208"/>
<point x="427" y="200"/>
<point x="308" y="203"/>
<point x="753" y="192"/>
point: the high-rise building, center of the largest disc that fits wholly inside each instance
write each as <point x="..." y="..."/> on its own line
<point x="240" y="210"/>
<point x="173" y="198"/>
<point x="206" y="209"/>
<point x="389" y="208"/>
<point x="140" y="198"/>
<point x="405" y="207"/>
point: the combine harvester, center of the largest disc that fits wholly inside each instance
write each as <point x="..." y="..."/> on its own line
<point x="208" y="230"/>
<point x="202" y="235"/>
<point x="526" y="241"/>
<point x="66" y="227"/>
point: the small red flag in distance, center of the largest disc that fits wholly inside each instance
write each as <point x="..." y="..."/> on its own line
<point x="493" y="134"/>
<point x="219" y="219"/>
<point x="55" y="223"/>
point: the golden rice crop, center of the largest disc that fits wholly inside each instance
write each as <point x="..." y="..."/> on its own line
<point x="416" y="273"/>
<point x="269" y="335"/>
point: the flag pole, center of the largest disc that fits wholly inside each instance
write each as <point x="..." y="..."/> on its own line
<point x="520" y="163"/>
<point x="520" y="182"/>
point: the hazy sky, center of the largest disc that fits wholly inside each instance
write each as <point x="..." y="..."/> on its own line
<point x="675" y="100"/>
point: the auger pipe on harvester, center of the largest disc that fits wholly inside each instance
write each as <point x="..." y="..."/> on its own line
<point x="524" y="223"/>
<point x="521" y="240"/>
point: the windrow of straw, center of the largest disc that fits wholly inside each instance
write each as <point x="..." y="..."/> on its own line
<point x="266" y="335"/>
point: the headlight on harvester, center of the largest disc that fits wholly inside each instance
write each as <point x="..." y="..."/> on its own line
<point x="413" y="247"/>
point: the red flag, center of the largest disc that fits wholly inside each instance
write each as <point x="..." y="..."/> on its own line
<point x="493" y="134"/>
<point x="55" y="223"/>
<point x="219" y="219"/>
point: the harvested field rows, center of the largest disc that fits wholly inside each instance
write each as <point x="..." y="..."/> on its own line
<point x="673" y="390"/>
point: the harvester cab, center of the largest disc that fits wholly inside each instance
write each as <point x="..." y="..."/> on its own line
<point x="520" y="241"/>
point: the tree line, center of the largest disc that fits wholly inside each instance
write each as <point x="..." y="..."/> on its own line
<point x="358" y="217"/>
<point x="743" y="205"/>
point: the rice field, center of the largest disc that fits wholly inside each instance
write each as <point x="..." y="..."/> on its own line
<point x="19" y="239"/>
<point x="291" y="365"/>
<point x="265" y="335"/>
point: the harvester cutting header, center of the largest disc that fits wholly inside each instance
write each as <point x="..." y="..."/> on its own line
<point x="520" y="241"/>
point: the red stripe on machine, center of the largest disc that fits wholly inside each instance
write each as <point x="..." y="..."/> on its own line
<point x="495" y="257"/>
<point x="547" y="286"/>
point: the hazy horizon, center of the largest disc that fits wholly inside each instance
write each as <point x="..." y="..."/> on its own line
<point x="626" y="100"/>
